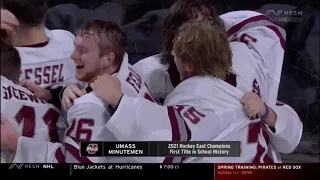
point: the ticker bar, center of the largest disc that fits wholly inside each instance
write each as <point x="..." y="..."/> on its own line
<point x="229" y="171"/>
<point x="131" y="171"/>
<point x="163" y="149"/>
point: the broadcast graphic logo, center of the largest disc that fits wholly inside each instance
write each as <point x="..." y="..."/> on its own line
<point x="282" y="15"/>
<point x="92" y="148"/>
<point x="18" y="166"/>
<point x="24" y="166"/>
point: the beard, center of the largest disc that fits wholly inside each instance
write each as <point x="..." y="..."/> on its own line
<point x="87" y="76"/>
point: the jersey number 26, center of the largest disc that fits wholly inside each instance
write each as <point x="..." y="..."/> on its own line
<point x="78" y="127"/>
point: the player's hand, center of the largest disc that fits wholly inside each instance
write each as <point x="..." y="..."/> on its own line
<point x="38" y="91"/>
<point x="8" y="21"/>
<point x="71" y="93"/>
<point x="253" y="104"/>
<point x="108" y="88"/>
<point x="9" y="137"/>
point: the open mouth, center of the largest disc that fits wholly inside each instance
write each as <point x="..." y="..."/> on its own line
<point x="79" y="66"/>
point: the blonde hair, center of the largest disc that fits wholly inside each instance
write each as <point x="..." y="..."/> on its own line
<point x="205" y="46"/>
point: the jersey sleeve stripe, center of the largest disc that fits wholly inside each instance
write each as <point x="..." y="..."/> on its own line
<point x="279" y="103"/>
<point x="265" y="21"/>
<point x="76" y="154"/>
<point x="260" y="151"/>
<point x="175" y="130"/>
<point x="266" y="158"/>
<point x="60" y="156"/>
<point x="188" y="139"/>
<point x="278" y="33"/>
<point x="180" y="132"/>
<point x="174" y="124"/>
<point x="148" y="97"/>
<point x="188" y="132"/>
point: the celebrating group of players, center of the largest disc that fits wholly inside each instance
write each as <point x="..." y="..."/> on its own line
<point x="216" y="79"/>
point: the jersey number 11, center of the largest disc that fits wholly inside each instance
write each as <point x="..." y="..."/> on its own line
<point x="27" y="114"/>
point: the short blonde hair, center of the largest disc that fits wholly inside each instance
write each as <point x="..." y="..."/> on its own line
<point x="206" y="47"/>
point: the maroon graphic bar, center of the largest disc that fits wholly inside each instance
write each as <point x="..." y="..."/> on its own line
<point x="267" y="171"/>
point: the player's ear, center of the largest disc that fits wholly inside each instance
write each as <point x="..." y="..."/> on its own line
<point x="108" y="59"/>
<point x="189" y="68"/>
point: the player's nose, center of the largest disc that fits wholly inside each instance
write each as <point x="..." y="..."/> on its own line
<point x="75" y="56"/>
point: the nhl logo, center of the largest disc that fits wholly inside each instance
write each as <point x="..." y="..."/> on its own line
<point x="92" y="148"/>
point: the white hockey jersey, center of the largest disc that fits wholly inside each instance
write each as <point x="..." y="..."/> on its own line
<point x="50" y="65"/>
<point x="258" y="49"/>
<point x="198" y="109"/>
<point x="87" y="119"/>
<point x="156" y="76"/>
<point x="29" y="116"/>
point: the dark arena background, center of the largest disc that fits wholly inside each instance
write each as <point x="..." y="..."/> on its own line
<point x="299" y="86"/>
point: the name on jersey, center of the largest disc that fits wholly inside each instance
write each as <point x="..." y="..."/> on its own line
<point x="45" y="74"/>
<point x="124" y="150"/>
<point x="10" y="91"/>
<point x="134" y="80"/>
